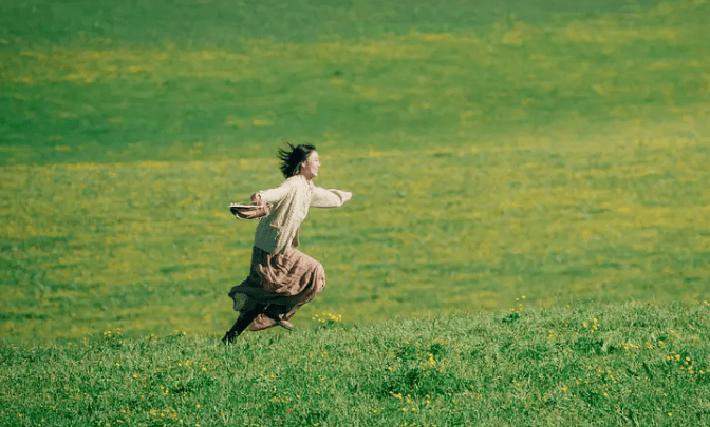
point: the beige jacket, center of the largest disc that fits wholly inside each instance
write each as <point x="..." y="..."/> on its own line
<point x="278" y="230"/>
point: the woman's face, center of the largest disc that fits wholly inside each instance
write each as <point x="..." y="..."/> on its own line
<point x="310" y="167"/>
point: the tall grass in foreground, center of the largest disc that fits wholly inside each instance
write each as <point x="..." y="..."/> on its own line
<point x="629" y="364"/>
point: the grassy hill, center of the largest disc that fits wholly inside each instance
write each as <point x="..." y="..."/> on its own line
<point x="533" y="149"/>
<point x="537" y="163"/>
<point x="628" y="364"/>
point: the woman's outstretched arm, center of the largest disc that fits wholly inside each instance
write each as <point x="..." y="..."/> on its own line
<point x="331" y="198"/>
<point x="271" y="195"/>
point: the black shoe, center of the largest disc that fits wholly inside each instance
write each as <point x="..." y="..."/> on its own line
<point x="228" y="338"/>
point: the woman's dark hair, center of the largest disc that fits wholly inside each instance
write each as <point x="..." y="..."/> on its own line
<point x="291" y="158"/>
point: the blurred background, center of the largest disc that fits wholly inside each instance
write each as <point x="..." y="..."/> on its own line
<point x="501" y="155"/>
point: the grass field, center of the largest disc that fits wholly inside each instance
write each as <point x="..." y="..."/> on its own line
<point x="540" y="154"/>
<point x="625" y="365"/>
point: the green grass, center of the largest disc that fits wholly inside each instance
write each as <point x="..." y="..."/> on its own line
<point x="630" y="364"/>
<point x="537" y="154"/>
<point x="555" y="155"/>
<point x="118" y="82"/>
<point x="149" y="246"/>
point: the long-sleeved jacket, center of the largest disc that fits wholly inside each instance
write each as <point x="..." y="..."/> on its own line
<point x="289" y="203"/>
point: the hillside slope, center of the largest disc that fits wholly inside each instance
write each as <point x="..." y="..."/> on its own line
<point x="606" y="365"/>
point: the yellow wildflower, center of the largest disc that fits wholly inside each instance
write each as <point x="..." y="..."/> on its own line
<point x="431" y="361"/>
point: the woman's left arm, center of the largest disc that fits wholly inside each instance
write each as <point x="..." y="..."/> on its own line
<point x="331" y="198"/>
<point x="272" y="195"/>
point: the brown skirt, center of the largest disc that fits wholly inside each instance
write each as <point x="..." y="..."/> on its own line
<point x="280" y="282"/>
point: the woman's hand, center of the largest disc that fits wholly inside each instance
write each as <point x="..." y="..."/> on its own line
<point x="256" y="198"/>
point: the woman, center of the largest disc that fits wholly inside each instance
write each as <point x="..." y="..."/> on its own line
<point x="282" y="278"/>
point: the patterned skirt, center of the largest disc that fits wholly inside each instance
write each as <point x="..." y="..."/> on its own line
<point x="280" y="283"/>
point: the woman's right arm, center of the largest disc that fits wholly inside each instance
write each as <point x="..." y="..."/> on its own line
<point x="272" y="195"/>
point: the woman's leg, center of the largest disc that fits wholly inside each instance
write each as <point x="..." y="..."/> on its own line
<point x="243" y="321"/>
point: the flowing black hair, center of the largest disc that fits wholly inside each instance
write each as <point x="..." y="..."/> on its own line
<point x="291" y="158"/>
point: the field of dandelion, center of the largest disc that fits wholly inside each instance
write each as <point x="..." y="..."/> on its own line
<point x="149" y="245"/>
<point x="525" y="155"/>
